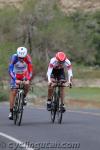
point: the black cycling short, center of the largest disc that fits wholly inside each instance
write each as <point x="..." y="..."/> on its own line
<point x="58" y="74"/>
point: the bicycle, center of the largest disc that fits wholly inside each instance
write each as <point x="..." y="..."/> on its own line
<point x="56" y="102"/>
<point x="18" y="105"/>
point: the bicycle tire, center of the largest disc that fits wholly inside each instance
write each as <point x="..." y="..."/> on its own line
<point x="53" y="114"/>
<point x="53" y="108"/>
<point x="20" y="111"/>
<point x="15" y="110"/>
<point x="18" y="108"/>
<point x="59" y="110"/>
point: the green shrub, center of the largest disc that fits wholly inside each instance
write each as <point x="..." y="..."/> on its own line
<point x="4" y="95"/>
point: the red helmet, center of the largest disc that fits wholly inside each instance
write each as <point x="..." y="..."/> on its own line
<point x="61" y="56"/>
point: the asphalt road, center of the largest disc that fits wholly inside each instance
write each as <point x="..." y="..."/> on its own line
<point x="80" y="130"/>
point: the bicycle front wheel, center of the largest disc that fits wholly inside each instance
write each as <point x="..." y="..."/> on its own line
<point x="20" y="112"/>
<point x="53" y="107"/>
<point x="18" y="108"/>
<point x="53" y="114"/>
<point x="15" y="110"/>
<point x="59" y="111"/>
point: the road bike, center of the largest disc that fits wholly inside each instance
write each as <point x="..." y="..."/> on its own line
<point x="19" y="104"/>
<point x="56" y="102"/>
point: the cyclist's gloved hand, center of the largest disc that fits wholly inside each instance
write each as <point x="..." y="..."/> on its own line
<point x="49" y="82"/>
<point x="17" y="81"/>
<point x="27" y="82"/>
<point x="70" y="84"/>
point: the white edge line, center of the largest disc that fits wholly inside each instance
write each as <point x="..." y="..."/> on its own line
<point x="84" y="112"/>
<point x="16" y="141"/>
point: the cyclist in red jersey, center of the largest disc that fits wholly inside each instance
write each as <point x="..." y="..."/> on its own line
<point x="20" y="68"/>
<point x="57" y="68"/>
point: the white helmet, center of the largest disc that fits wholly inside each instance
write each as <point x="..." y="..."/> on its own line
<point x="21" y="52"/>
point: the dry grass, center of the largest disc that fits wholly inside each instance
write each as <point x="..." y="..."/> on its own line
<point x="69" y="6"/>
<point x="66" y="5"/>
<point x="82" y="104"/>
<point x="15" y="3"/>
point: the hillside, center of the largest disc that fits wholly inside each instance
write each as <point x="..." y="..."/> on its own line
<point x="66" y="5"/>
<point x="85" y="5"/>
<point x="43" y="28"/>
<point x="15" y="3"/>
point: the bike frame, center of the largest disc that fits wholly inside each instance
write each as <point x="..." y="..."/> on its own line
<point x="57" y="103"/>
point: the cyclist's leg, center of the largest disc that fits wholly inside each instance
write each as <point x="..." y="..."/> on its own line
<point x="62" y="94"/>
<point x="12" y="95"/>
<point x="50" y="91"/>
<point x="26" y="90"/>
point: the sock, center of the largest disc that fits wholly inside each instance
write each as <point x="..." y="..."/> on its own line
<point x="49" y="99"/>
<point x="24" y="95"/>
